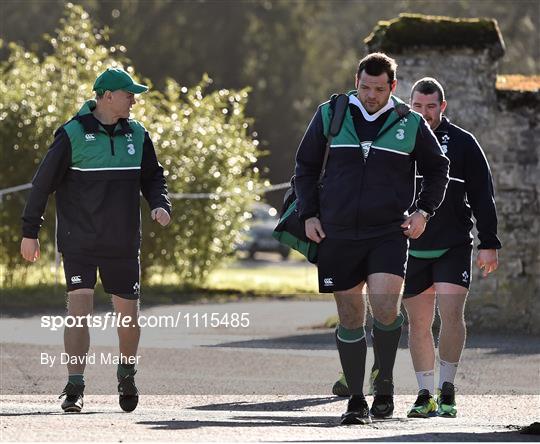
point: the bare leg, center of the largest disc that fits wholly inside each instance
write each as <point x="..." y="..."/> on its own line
<point x="128" y="337"/>
<point x="384" y="296"/>
<point x="77" y="339"/>
<point x="421" y="311"/>
<point x="351" y="307"/>
<point x="451" y="300"/>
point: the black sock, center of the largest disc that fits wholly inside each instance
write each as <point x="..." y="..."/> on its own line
<point x="124" y="370"/>
<point x="352" y="348"/>
<point x="376" y="364"/>
<point x="385" y="344"/>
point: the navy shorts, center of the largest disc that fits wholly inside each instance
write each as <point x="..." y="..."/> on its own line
<point x="453" y="267"/>
<point x="119" y="276"/>
<point x="343" y="264"/>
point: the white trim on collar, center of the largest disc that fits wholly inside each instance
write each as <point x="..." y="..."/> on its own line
<point x="370" y="117"/>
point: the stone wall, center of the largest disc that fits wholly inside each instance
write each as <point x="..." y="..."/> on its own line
<point x="507" y="125"/>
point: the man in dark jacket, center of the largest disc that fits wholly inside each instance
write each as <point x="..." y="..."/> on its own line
<point x="97" y="166"/>
<point x="359" y="217"/>
<point x="440" y="261"/>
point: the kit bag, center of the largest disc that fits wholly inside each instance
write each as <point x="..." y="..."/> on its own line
<point x="290" y="230"/>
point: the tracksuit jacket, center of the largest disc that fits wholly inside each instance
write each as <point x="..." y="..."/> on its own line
<point x="365" y="197"/>
<point x="98" y="179"/>
<point x="469" y="192"/>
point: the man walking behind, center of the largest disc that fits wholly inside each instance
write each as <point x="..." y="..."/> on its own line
<point x="439" y="264"/>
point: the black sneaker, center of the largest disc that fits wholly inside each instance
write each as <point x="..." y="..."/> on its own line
<point x="383" y="400"/>
<point x="128" y="393"/>
<point x="74" y="394"/>
<point x="357" y="411"/>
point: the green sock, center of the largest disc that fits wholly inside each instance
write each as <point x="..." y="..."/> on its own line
<point x="351" y="345"/>
<point x="124" y="370"/>
<point x="76" y="379"/>
<point x="385" y="342"/>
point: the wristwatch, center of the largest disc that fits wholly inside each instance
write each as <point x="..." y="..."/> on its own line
<point x="423" y="213"/>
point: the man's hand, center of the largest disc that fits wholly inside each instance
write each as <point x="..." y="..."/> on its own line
<point x="487" y="261"/>
<point x="161" y="216"/>
<point x="415" y="224"/>
<point x="30" y="249"/>
<point x="314" y="229"/>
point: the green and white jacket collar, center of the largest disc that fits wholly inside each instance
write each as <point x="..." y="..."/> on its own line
<point x="353" y="100"/>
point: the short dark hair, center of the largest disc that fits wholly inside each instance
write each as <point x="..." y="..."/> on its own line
<point x="428" y="85"/>
<point x="376" y="64"/>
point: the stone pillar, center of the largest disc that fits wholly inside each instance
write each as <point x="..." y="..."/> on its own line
<point x="462" y="54"/>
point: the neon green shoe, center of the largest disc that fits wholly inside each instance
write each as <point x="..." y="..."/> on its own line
<point x="340" y="387"/>
<point x="372" y="376"/>
<point x="446" y="400"/>
<point x="424" y="406"/>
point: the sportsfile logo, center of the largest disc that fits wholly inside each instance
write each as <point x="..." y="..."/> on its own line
<point x="328" y="282"/>
<point x="181" y="320"/>
<point x="76" y="279"/>
<point x="89" y="137"/>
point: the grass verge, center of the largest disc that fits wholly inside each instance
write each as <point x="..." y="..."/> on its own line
<point x="240" y="280"/>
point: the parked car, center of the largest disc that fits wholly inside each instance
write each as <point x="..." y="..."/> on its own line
<point x="259" y="235"/>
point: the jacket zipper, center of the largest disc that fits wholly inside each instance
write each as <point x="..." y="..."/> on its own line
<point x="111" y="140"/>
<point x="361" y="189"/>
<point x="365" y="159"/>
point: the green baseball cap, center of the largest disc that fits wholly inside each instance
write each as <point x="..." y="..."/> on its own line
<point x="114" y="79"/>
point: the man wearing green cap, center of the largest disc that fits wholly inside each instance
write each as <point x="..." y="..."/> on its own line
<point x="114" y="79"/>
<point x="97" y="166"/>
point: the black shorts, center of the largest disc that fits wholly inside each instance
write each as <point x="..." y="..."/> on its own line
<point x="453" y="267"/>
<point x="119" y="276"/>
<point x="343" y="264"/>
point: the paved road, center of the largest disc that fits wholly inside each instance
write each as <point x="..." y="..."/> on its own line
<point x="269" y="381"/>
<point x="232" y="418"/>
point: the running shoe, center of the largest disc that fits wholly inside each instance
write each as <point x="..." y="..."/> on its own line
<point x="74" y="394"/>
<point x="340" y="387"/>
<point x="128" y="393"/>
<point x="357" y="411"/>
<point x="424" y="406"/>
<point x="447" y="401"/>
<point x="383" y="399"/>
